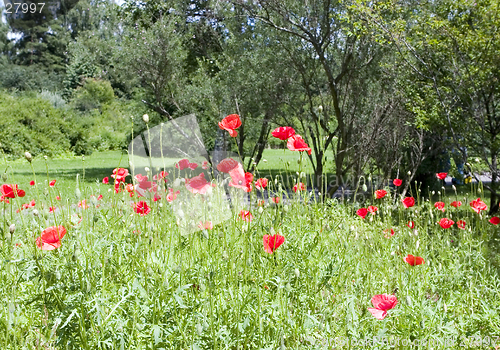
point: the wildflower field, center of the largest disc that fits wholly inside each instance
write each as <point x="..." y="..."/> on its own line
<point x="162" y="259"/>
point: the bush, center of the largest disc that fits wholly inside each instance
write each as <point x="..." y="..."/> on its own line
<point x="94" y="94"/>
<point x="31" y="123"/>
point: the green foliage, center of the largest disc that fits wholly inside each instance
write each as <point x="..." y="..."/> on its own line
<point x="30" y="123"/>
<point x="93" y="95"/>
<point x="29" y="78"/>
<point x="44" y="124"/>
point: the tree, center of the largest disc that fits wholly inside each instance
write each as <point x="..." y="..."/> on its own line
<point x="452" y="49"/>
<point x="336" y="62"/>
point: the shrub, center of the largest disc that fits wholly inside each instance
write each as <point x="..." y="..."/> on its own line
<point x="32" y="123"/>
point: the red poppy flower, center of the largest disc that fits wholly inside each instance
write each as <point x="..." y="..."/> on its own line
<point x="231" y="123"/>
<point x="226" y="165"/>
<point x="411" y="224"/>
<point x="446" y="223"/>
<point x="119" y="174"/>
<point x="4" y="199"/>
<point x="362" y="212"/>
<point x="58" y="198"/>
<point x="380" y="193"/>
<point x="441" y="176"/>
<point x="146" y="186"/>
<point x="52" y="183"/>
<point x="198" y="184"/>
<point x="105" y="180"/>
<point x="240" y="179"/>
<point x="299" y="187"/>
<point x="161" y="175"/>
<point x="296" y="143"/>
<point x="11" y="191"/>
<point x="414" y="260"/>
<point x="409" y="202"/>
<point x="26" y="206"/>
<point x="283" y="132"/>
<point x="261" y="202"/>
<point x="50" y="238"/>
<point x="386" y="231"/>
<point x="83" y="204"/>
<point x="246" y="215"/>
<point x="456" y="204"/>
<point x="439" y="206"/>
<point x="397" y="182"/>
<point x="271" y="243"/>
<point x="461" y="224"/>
<point x="172" y="195"/>
<point x="205" y="165"/>
<point x="382" y="303"/>
<point x="182" y="164"/>
<point x="478" y="205"/>
<point x="261" y="183"/>
<point x="142" y="208"/>
<point x="372" y="209"/>
<point x="99" y="197"/>
<point x="129" y="188"/>
<point x="32" y="183"/>
<point x="495" y="220"/>
<point x="141" y="178"/>
<point x="51" y="209"/>
<point x="207" y="225"/>
<point x="275" y="199"/>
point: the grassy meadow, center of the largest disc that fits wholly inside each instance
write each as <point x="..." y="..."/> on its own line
<point x="125" y="279"/>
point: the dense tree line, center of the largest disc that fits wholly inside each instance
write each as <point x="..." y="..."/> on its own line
<point x="387" y="87"/>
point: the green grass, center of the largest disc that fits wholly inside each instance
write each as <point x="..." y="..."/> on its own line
<point x="122" y="281"/>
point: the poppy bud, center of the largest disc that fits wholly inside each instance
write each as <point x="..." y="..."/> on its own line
<point x="145" y="117"/>
<point x="78" y="193"/>
<point x="478" y="190"/>
<point x="364" y="187"/>
<point x="320" y="109"/>
<point x="408" y="300"/>
<point x="249" y="262"/>
<point x="177" y="269"/>
<point x="4" y="177"/>
<point x="224" y="255"/>
<point x="409" y="173"/>
<point x="272" y="231"/>
<point x="146" y="169"/>
<point x="28" y="157"/>
<point x="285" y="208"/>
<point x="439" y="192"/>
<point x="264" y="160"/>
<point x="35" y="212"/>
<point x="260" y="210"/>
<point x="296" y="272"/>
<point x="12" y="229"/>
<point x="433" y="192"/>
<point x="454" y="188"/>
<point x="288" y="287"/>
